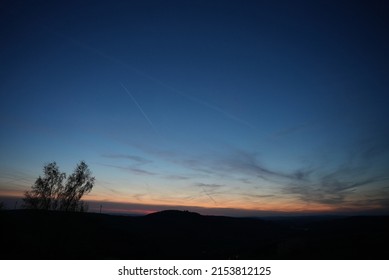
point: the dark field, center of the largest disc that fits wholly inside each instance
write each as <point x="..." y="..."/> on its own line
<point x="27" y="234"/>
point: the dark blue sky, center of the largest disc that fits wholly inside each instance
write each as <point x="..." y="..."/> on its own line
<point x="256" y="105"/>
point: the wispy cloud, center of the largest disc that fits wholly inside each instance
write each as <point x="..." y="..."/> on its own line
<point x="133" y="170"/>
<point x="241" y="162"/>
<point x="293" y="129"/>
<point x="245" y="180"/>
<point x="375" y="202"/>
<point x="177" y="177"/>
<point x="338" y="182"/>
<point x="311" y="194"/>
<point x="235" y="164"/>
<point x="379" y="201"/>
<point x="259" y="195"/>
<point x="372" y="145"/>
<point x="136" y="159"/>
<point x="139" y="171"/>
<point x="330" y="189"/>
<point x="209" y="185"/>
<point x="334" y="183"/>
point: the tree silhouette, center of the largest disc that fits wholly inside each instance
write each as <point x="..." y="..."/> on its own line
<point x="49" y="193"/>
<point x="78" y="184"/>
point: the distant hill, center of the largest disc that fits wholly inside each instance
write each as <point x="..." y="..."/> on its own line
<point x="174" y="215"/>
<point x="186" y="235"/>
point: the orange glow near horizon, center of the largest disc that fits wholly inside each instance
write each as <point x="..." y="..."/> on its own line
<point x="116" y="204"/>
<point x="12" y="193"/>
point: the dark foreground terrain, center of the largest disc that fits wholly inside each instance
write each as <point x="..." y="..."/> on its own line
<point x="27" y="234"/>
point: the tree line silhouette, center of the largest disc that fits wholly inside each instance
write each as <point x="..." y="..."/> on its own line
<point x="49" y="191"/>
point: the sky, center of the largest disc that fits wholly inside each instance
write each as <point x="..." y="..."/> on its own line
<point x="220" y="107"/>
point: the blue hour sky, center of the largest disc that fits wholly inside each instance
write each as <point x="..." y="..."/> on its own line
<point x="224" y="107"/>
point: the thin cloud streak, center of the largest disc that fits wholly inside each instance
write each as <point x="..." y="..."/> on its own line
<point x="177" y="177"/>
<point x="209" y="185"/>
<point x="329" y="190"/>
<point x="137" y="159"/>
<point x="133" y="170"/>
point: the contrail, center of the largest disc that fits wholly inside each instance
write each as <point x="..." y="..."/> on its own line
<point x="151" y="78"/>
<point x="217" y="109"/>
<point x="210" y="197"/>
<point x="139" y="107"/>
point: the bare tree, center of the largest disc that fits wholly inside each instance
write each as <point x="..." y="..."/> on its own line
<point x="79" y="183"/>
<point x="47" y="190"/>
<point x="49" y="193"/>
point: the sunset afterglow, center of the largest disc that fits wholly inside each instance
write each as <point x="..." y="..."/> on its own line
<point x="241" y="108"/>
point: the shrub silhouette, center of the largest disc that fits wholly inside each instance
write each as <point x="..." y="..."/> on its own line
<point x="49" y="193"/>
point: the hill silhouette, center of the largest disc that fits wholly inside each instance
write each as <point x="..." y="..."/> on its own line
<point x="186" y="235"/>
<point x="174" y="216"/>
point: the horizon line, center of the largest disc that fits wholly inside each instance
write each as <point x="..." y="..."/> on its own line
<point x="139" y="209"/>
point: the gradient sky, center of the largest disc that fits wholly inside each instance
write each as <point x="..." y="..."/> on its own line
<point x="218" y="106"/>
